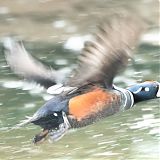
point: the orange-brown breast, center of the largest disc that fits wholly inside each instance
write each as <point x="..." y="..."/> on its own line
<point x="84" y="105"/>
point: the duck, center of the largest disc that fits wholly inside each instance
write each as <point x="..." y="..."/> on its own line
<point x="88" y="93"/>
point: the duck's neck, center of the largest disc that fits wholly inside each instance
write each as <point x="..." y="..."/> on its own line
<point x="126" y="96"/>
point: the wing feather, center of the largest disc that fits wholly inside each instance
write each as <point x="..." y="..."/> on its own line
<point x="25" y="65"/>
<point x="104" y="57"/>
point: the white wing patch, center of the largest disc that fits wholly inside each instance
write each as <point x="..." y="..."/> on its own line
<point x="59" y="88"/>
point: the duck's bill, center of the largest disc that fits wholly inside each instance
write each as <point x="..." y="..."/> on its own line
<point x="158" y="92"/>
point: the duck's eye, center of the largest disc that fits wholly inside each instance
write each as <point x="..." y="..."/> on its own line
<point x="146" y="89"/>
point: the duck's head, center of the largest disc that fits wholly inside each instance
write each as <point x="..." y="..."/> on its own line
<point x="145" y="91"/>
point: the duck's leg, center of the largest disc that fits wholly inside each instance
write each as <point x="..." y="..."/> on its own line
<point x="41" y="136"/>
<point x="60" y="132"/>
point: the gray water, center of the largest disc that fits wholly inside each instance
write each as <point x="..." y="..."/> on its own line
<point x="131" y="135"/>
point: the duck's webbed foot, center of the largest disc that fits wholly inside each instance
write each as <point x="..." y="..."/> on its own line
<point x="62" y="129"/>
<point x="40" y="137"/>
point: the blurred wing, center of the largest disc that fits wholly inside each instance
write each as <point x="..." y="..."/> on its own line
<point x="23" y="64"/>
<point x="102" y="59"/>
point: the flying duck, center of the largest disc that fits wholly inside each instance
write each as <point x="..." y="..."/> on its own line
<point x="87" y="94"/>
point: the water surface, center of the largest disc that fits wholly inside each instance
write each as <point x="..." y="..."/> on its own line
<point x="133" y="134"/>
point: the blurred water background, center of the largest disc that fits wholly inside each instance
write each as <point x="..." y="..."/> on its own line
<point x="54" y="32"/>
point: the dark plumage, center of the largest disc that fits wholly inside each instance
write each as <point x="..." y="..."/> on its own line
<point x="88" y="93"/>
<point x="104" y="57"/>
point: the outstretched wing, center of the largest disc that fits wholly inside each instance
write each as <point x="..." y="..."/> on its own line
<point x="23" y="64"/>
<point x="103" y="58"/>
